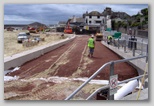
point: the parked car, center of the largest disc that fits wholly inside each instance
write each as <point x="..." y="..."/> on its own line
<point x="23" y="36"/>
<point x="36" y="38"/>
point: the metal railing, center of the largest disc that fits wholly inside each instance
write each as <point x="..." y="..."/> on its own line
<point x="132" y="45"/>
<point x="107" y="86"/>
<point x="99" y="70"/>
<point x="137" y="45"/>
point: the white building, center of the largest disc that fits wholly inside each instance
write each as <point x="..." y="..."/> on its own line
<point x="108" y="23"/>
<point x="94" y="21"/>
<point x="94" y="18"/>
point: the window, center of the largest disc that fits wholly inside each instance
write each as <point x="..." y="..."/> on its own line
<point x="89" y="21"/>
<point x="103" y="21"/>
<point x="90" y="16"/>
<point x="98" y="21"/>
<point x="98" y="16"/>
<point x="86" y="20"/>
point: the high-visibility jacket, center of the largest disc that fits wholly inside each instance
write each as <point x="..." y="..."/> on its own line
<point x="91" y="43"/>
<point x="109" y="37"/>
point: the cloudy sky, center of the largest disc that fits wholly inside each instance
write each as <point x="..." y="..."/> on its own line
<point x="53" y="13"/>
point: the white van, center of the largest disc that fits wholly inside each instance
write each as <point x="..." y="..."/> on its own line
<point x="23" y="36"/>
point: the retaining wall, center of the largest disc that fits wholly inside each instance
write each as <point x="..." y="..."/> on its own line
<point x="21" y="58"/>
<point x="138" y="63"/>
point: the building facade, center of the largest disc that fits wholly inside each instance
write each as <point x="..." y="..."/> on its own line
<point x="94" y="21"/>
<point x="94" y="18"/>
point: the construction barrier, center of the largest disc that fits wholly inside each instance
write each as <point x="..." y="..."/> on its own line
<point x="29" y="43"/>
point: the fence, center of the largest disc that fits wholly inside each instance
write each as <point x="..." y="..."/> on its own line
<point x="133" y="44"/>
<point x="112" y="63"/>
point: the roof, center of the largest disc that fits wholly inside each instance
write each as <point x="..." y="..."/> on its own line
<point x="62" y="22"/>
<point x="94" y="13"/>
<point x="78" y="20"/>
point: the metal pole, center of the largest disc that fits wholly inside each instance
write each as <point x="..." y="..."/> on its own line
<point x="147" y="54"/>
<point x="142" y="47"/>
<point x="111" y="73"/>
<point x="133" y="48"/>
<point x="118" y="43"/>
<point x="125" y="46"/>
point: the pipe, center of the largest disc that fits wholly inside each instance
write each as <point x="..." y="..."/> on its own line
<point x="126" y="89"/>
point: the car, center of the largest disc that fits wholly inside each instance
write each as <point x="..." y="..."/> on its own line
<point x="36" y="38"/>
<point x="23" y="36"/>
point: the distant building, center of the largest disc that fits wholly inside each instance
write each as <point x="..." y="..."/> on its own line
<point x="94" y="18"/>
<point x="93" y="21"/>
<point x="53" y="26"/>
<point x="61" y="26"/>
<point x="77" y="21"/>
<point x="108" y="11"/>
<point x="24" y="26"/>
<point x="14" y="27"/>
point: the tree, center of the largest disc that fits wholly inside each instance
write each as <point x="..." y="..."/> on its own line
<point x="129" y="22"/>
<point x="135" y="24"/>
<point x="144" y="22"/>
<point x="124" y="25"/>
<point x="144" y="11"/>
<point x="146" y="18"/>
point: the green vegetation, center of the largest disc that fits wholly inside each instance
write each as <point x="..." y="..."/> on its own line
<point x="141" y="18"/>
<point x="138" y="20"/>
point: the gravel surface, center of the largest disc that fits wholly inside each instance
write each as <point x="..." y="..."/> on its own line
<point x="70" y="61"/>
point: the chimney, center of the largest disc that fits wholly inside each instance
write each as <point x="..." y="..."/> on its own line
<point x="74" y="18"/>
<point x="86" y="12"/>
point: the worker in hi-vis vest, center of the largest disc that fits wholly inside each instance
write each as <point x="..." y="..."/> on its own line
<point x="109" y="39"/>
<point x="91" y="45"/>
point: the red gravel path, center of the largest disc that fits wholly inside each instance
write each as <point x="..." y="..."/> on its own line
<point x="66" y="61"/>
<point x="101" y="56"/>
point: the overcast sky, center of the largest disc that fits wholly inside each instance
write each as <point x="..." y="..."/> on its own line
<point x="53" y="13"/>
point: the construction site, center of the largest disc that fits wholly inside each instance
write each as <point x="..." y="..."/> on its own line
<point x="59" y="65"/>
<point x="54" y="63"/>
